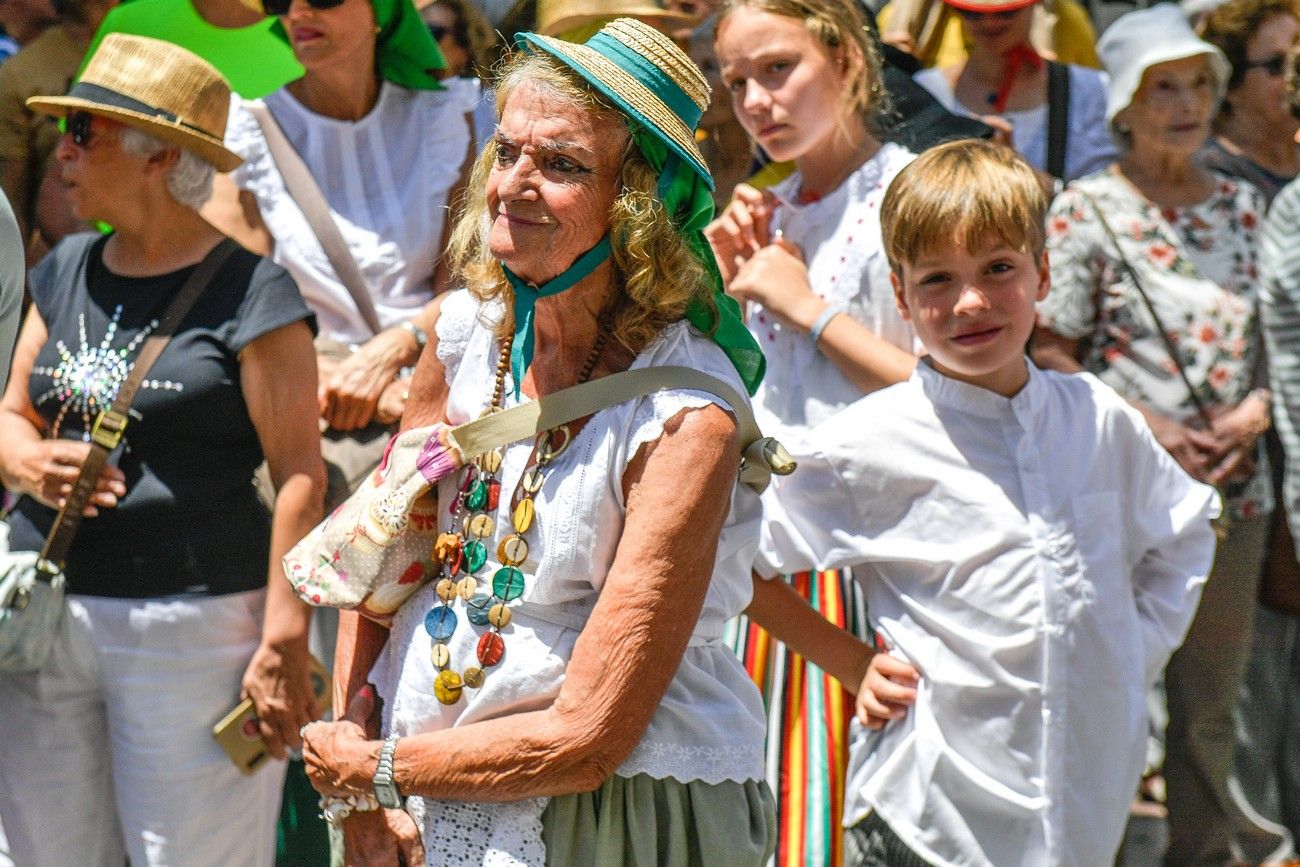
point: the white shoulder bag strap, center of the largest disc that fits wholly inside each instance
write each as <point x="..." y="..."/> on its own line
<point x="760" y="456"/>
<point x="306" y="192"/>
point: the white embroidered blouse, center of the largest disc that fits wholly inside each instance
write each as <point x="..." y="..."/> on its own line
<point x="840" y="238"/>
<point x="710" y="723"/>
<point x="386" y="178"/>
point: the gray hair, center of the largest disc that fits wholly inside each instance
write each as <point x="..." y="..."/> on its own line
<point x="189" y="181"/>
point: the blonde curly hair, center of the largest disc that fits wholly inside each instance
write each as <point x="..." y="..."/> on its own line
<point x="655" y="271"/>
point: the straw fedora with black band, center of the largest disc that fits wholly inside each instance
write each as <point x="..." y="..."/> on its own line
<point x="156" y="87"/>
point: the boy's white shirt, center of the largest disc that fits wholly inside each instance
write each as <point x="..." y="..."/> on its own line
<point x="1037" y="559"/>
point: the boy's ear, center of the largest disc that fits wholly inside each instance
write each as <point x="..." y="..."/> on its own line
<point x="900" y="299"/>
<point x="1044" y="278"/>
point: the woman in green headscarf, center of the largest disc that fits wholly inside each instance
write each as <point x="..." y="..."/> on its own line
<point x="558" y="692"/>
<point x="388" y="146"/>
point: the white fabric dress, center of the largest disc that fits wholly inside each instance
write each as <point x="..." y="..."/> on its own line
<point x="710" y="723"/>
<point x="386" y="178"/>
<point x="840" y="236"/>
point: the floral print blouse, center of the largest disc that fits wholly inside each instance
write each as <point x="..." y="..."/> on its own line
<point x="1199" y="265"/>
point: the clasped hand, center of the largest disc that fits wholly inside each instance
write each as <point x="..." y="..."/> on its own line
<point x="1224" y="452"/>
<point x="47" y="470"/>
<point x="361" y="388"/>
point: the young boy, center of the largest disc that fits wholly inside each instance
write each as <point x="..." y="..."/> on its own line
<point x="1030" y="555"/>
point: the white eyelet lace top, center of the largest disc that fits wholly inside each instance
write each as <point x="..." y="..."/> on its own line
<point x="710" y="723"/>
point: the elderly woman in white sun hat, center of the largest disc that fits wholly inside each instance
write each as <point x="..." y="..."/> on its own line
<point x="1158" y="298"/>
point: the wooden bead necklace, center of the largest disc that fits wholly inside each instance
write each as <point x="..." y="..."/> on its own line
<point x="462" y="550"/>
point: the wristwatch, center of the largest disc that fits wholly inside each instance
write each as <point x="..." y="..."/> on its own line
<point x="385" y="788"/>
<point x="415" y="331"/>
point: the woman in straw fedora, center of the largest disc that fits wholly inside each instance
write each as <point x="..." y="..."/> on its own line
<point x="387" y="146"/>
<point x="616" y="726"/>
<point x="176" y="594"/>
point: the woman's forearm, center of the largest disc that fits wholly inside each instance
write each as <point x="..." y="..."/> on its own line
<point x="15" y="432"/>
<point x="357" y="646"/>
<point x="777" y="607"/>
<point x="298" y="507"/>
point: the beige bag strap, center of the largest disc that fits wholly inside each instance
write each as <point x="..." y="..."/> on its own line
<point x="306" y="192"/>
<point x="761" y="456"/>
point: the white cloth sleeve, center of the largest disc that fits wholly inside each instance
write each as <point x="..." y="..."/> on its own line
<point x="1280" y="313"/>
<point x="1171" y="542"/>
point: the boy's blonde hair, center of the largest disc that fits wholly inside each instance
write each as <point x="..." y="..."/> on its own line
<point x="973" y="192"/>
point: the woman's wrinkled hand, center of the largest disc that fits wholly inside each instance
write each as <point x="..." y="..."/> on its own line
<point x="777" y="278"/>
<point x="887" y="691"/>
<point x="350" y="390"/>
<point x="47" y="470"/>
<point x="341" y="756"/>
<point x="741" y="230"/>
<point x="392" y="403"/>
<point x="382" y="838"/>
<point x="278" y="680"/>
<point x="1196" y="451"/>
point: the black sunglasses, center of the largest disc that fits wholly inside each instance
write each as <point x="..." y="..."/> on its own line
<point x="281" y="7"/>
<point x="77" y="125"/>
<point x="1274" y="64"/>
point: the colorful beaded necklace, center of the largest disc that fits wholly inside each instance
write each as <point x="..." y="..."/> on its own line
<point x="462" y="550"/>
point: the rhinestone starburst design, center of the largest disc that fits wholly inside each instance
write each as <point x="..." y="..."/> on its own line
<point x="86" y="381"/>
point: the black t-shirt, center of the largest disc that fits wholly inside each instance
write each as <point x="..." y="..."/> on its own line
<point x="191" y="522"/>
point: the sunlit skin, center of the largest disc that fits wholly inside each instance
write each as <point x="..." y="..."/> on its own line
<point x="782" y="80"/>
<point x="1172" y="109"/>
<point x="974" y="310"/>
<point x="999" y="32"/>
<point x="453" y="52"/>
<point x="322" y="36"/>
<point x="555" y="178"/>
<point x="91" y="173"/>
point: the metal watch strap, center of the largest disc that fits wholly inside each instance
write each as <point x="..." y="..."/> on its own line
<point x="109" y="426"/>
<point x="385" y="788"/>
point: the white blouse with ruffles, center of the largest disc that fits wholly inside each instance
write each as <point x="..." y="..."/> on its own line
<point x="840" y="237"/>
<point x="709" y="726"/>
<point x="386" y="178"/>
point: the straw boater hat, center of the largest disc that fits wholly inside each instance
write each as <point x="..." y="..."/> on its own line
<point x="645" y="75"/>
<point x="156" y="87"/>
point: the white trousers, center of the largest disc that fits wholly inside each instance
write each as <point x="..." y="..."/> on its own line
<point x="107" y="753"/>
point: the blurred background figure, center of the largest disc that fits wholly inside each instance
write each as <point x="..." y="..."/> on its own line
<point x="1161" y="232"/>
<point x="931" y="30"/>
<point x="471" y="49"/>
<point x="726" y="147"/>
<point x="1265" y="780"/>
<point x="46" y="65"/>
<point x="1255" y="131"/>
<point x="578" y="20"/>
<point x="21" y="21"/>
<point x="1006" y="82"/>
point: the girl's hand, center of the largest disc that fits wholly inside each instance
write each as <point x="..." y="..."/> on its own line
<point x="741" y="230"/>
<point x="777" y="278"/>
<point x="47" y="470"/>
<point x="887" y="691"/>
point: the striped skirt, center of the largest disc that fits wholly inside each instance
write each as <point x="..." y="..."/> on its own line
<point x="808" y="713"/>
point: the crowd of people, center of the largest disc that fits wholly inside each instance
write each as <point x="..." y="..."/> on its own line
<point x="957" y="527"/>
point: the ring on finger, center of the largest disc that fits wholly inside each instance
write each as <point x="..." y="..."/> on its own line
<point x="302" y="732"/>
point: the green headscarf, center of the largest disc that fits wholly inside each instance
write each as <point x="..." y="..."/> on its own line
<point x="685" y="186"/>
<point x="405" y="51"/>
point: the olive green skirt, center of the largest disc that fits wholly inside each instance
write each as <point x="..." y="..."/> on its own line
<point x="642" y="821"/>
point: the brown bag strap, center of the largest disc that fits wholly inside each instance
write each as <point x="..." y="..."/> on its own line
<point x="111" y="423"/>
<point x="304" y="190"/>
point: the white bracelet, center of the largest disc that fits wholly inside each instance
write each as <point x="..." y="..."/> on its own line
<point x="819" y="325"/>
<point x="335" y="810"/>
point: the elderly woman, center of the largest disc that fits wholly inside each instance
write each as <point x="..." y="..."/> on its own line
<point x="387" y="145"/>
<point x="108" y="752"/>
<point x="1255" y="131"/>
<point x="1154" y="283"/>
<point x="1005" y="81"/>
<point x="615" y="725"/>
